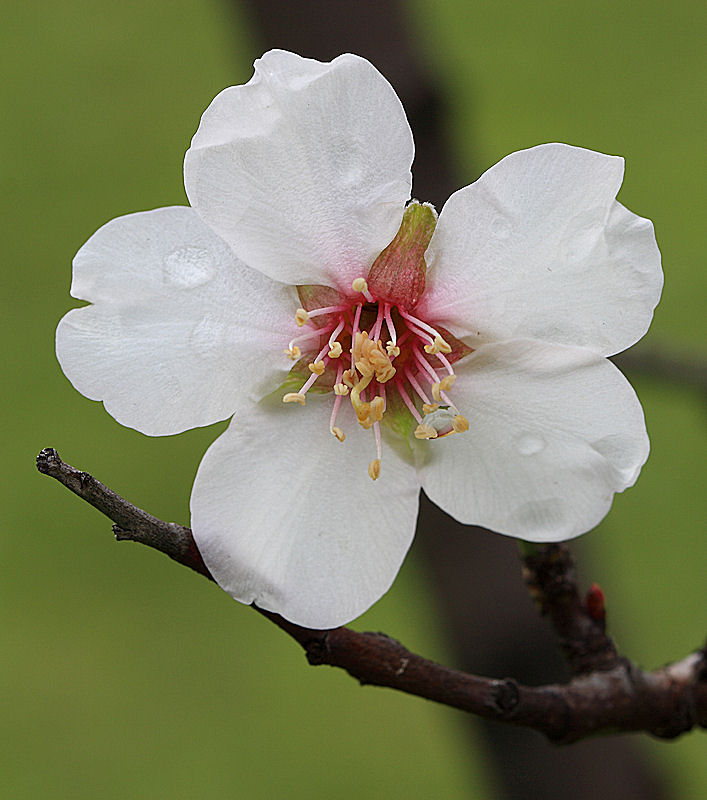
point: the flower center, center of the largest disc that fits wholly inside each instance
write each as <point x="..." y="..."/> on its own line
<point x="385" y="360"/>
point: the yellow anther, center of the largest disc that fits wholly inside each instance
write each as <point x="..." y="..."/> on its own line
<point x="460" y="424"/>
<point x="335" y="351"/>
<point x="443" y="386"/>
<point x="377" y="408"/>
<point x="438" y="346"/>
<point x="392" y="350"/>
<point x="341" y="389"/>
<point x="425" y="432"/>
<point x="362" y="410"/>
<point x="301" y="317"/>
<point x="294" y="397"/>
<point x="338" y="433"/>
<point x="385" y="372"/>
<point x="317" y="367"/>
<point x="293" y="352"/>
<point x="370" y="358"/>
<point x="374" y="468"/>
<point x="365" y="368"/>
<point x="359" y="285"/>
<point x="348" y="377"/>
<point x="357" y="345"/>
<point x="428" y="408"/>
<point x="375" y="411"/>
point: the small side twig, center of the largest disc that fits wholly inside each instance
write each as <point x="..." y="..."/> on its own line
<point x="616" y="697"/>
<point x="550" y="576"/>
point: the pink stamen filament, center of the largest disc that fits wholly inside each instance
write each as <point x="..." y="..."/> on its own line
<point x="317" y="312"/>
<point x="354" y="331"/>
<point x="408" y="402"/>
<point x="303" y="337"/>
<point x="337" y="398"/>
<point x="420" y="323"/>
<point x="357" y="317"/>
<point x="335" y="411"/>
<point x="307" y="385"/>
<point x="422" y="361"/>
<point x="421" y="334"/>
<point x="446" y="363"/>
<point x="376" y="332"/>
<point x="335" y="333"/>
<point x="389" y="323"/>
<point x="377" y="435"/>
<point x="416" y="386"/>
<point x="321" y="356"/>
<point x="368" y="295"/>
<point x="322" y="352"/>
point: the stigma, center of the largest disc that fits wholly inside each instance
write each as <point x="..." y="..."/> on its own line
<point x="379" y="360"/>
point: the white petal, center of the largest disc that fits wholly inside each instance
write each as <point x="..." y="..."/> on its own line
<point x="538" y="248"/>
<point x="554" y="431"/>
<point x="287" y="517"/>
<point x="180" y="331"/>
<point x="305" y="169"/>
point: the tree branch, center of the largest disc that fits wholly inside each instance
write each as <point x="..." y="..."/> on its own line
<point x="607" y="694"/>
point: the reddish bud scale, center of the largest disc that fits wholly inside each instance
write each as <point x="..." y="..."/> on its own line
<point x="398" y="274"/>
<point x="594" y="603"/>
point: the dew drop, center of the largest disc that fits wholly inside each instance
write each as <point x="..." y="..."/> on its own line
<point x="529" y="444"/>
<point x="188" y="266"/>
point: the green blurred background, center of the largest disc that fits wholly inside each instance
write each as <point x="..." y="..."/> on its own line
<point x="124" y="675"/>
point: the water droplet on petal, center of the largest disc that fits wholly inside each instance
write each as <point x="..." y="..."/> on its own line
<point x="188" y="266"/>
<point x="529" y="444"/>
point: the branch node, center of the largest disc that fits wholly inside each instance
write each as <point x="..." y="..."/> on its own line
<point x="505" y="697"/>
<point x="317" y="651"/>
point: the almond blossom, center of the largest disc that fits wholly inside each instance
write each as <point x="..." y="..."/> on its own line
<point x="365" y="347"/>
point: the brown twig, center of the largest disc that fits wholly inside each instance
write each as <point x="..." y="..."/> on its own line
<point x="550" y="576"/>
<point x="607" y="694"/>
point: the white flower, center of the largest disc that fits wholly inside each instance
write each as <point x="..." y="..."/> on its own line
<point x="298" y="182"/>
